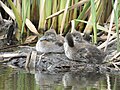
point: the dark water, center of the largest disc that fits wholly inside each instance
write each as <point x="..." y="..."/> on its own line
<point x="14" y="79"/>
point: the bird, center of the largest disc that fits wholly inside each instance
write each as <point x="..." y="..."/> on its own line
<point x="50" y="42"/>
<point x="77" y="49"/>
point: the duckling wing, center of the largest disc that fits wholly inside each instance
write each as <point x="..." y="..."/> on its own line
<point x="59" y="43"/>
<point x="94" y="54"/>
<point x="81" y="54"/>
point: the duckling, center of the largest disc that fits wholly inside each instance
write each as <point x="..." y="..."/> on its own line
<point x="50" y="42"/>
<point x="76" y="48"/>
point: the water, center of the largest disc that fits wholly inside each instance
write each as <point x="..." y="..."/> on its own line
<point x="15" y="79"/>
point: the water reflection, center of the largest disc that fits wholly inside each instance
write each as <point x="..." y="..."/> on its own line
<point x="81" y="80"/>
<point x="69" y="80"/>
<point x="12" y="79"/>
<point x="76" y="81"/>
<point x="47" y="81"/>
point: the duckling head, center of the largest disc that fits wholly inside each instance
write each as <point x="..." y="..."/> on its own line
<point x="77" y="37"/>
<point x="49" y="35"/>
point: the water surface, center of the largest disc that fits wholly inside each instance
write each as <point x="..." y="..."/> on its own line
<point x="16" y="79"/>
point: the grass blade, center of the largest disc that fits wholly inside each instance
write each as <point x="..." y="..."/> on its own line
<point x="42" y="13"/>
<point x="93" y="11"/>
<point x="64" y="16"/>
<point x="17" y="15"/>
<point x="8" y="11"/>
<point x="31" y="27"/>
<point x="111" y="23"/>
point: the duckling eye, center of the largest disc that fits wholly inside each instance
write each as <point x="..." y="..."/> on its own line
<point x="77" y="37"/>
<point x="47" y="34"/>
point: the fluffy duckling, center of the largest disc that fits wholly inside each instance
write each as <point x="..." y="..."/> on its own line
<point x="80" y="50"/>
<point x="50" y="42"/>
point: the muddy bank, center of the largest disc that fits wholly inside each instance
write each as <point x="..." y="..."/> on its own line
<point x="27" y="58"/>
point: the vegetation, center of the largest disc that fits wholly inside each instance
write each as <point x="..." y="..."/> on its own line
<point x="91" y="18"/>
